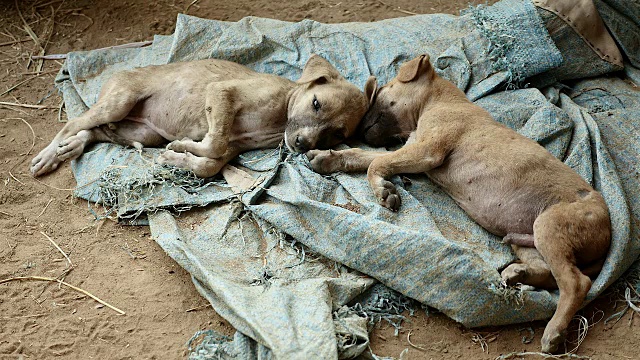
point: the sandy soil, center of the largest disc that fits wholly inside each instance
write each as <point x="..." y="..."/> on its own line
<point x="123" y="265"/>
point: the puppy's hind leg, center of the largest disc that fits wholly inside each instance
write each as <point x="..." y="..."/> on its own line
<point x="116" y="101"/>
<point x="126" y="133"/>
<point x="530" y="270"/>
<point x="220" y="110"/>
<point x="201" y="166"/>
<point x="557" y="231"/>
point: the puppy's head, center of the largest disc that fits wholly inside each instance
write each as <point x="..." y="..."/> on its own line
<point x="324" y="108"/>
<point x="395" y="107"/>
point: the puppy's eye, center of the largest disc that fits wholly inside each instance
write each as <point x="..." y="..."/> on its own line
<point x="316" y="103"/>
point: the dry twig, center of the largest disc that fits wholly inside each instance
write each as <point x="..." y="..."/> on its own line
<point x="14" y="42"/>
<point x="33" y="144"/>
<point x="18" y="84"/>
<point x="23" y="316"/>
<point x="75" y="13"/>
<point x="51" y="186"/>
<point x="16" y="179"/>
<point x="484" y="340"/>
<point x="519" y="355"/>
<point x="122" y="46"/>
<point x="199" y="307"/>
<point x="42" y="278"/>
<point x="412" y="344"/>
<point x="33" y="133"/>
<point x="27" y="28"/>
<point x="186" y="10"/>
<point x="397" y="8"/>
<point x="45" y="208"/>
<point x="28" y="105"/>
<point x="57" y="247"/>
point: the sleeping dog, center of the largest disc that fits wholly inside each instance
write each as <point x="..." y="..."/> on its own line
<point x="557" y="223"/>
<point x="211" y="111"/>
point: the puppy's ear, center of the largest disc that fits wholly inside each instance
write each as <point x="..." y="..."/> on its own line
<point x="319" y="71"/>
<point x="410" y="71"/>
<point x="370" y="88"/>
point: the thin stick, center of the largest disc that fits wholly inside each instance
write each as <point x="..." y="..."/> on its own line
<point x="45" y="208"/>
<point x="398" y="8"/>
<point x="632" y="287"/>
<point x="27" y="28"/>
<point x="49" y="57"/>
<point x="51" y="186"/>
<point x="40" y="73"/>
<point x="40" y="63"/>
<point x="14" y="42"/>
<point x="188" y="6"/>
<point x="412" y="344"/>
<point x="48" y="3"/>
<point x="14" y="109"/>
<point x="18" y="84"/>
<point x="60" y="110"/>
<point x="33" y="141"/>
<point x="28" y="105"/>
<point x="22" y="317"/>
<point x="14" y="178"/>
<point x="42" y="278"/>
<point x="627" y="297"/>
<point x="514" y="355"/>
<point x="406" y="12"/>
<point x="199" y="307"/>
<point x="33" y="133"/>
<point x="84" y="16"/>
<point x="57" y="247"/>
<point x="122" y="46"/>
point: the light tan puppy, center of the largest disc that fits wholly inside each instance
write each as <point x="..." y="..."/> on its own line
<point x="211" y="111"/>
<point x="556" y="222"/>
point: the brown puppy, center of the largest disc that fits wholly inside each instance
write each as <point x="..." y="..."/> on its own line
<point x="506" y="182"/>
<point x="211" y="111"/>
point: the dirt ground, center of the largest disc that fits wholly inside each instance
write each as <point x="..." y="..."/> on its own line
<point x="123" y="265"/>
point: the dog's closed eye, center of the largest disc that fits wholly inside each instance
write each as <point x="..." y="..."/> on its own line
<point x="316" y="104"/>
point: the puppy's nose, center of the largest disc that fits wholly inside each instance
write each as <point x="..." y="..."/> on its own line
<point x="363" y="130"/>
<point x="302" y="144"/>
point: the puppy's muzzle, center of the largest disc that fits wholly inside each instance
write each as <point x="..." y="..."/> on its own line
<point x="301" y="144"/>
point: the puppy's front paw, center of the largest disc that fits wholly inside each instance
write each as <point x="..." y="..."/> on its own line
<point x="324" y="161"/>
<point x="46" y="161"/>
<point x="514" y="273"/>
<point x="71" y="147"/>
<point x="171" y="157"/>
<point x="388" y="195"/>
<point x="180" y="145"/>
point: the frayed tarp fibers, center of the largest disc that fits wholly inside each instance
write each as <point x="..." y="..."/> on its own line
<point x="280" y="258"/>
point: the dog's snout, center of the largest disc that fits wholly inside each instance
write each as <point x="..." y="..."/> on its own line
<point x="302" y="144"/>
<point x="363" y="130"/>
